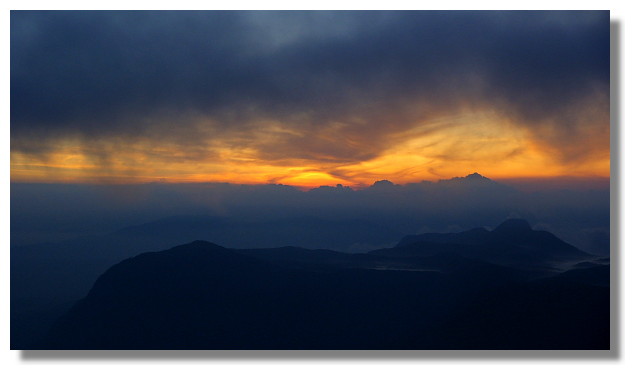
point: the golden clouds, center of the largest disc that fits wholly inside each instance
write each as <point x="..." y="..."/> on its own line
<point x="270" y="152"/>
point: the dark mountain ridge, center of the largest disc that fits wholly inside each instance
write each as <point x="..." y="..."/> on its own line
<point x="512" y="243"/>
<point x="204" y="296"/>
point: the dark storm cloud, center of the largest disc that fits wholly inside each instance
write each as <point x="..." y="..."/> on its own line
<point x="122" y="73"/>
<point x="91" y="67"/>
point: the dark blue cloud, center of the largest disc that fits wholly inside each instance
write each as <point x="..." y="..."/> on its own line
<point x="105" y="72"/>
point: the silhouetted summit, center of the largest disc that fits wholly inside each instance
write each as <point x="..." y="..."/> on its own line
<point x="201" y="246"/>
<point x="473" y="178"/>
<point x="512" y="243"/>
<point x="513" y="226"/>
<point x="382" y="184"/>
<point x="476" y="177"/>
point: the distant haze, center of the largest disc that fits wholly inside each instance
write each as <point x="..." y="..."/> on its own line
<point x="44" y="212"/>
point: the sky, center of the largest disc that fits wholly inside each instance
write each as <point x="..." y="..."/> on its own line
<point x="308" y="98"/>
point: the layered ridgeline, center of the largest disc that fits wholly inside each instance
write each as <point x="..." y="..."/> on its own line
<point x="509" y="288"/>
<point x="513" y="243"/>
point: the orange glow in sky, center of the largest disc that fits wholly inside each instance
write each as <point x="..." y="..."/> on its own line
<point x="444" y="148"/>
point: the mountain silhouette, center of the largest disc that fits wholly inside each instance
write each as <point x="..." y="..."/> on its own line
<point x="205" y="296"/>
<point x="471" y="179"/>
<point x="47" y="278"/>
<point x="512" y="243"/>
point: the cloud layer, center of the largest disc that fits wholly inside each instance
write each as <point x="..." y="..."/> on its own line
<point x="290" y="95"/>
<point x="326" y="217"/>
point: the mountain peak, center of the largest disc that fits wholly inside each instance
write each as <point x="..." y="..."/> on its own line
<point x="470" y="178"/>
<point x="199" y="245"/>
<point x="512" y="226"/>
<point x="383" y="183"/>
<point x="475" y="176"/>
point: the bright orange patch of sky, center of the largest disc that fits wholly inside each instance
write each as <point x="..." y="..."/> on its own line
<point x="483" y="143"/>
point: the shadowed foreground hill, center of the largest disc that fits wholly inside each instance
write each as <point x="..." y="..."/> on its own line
<point x="203" y="296"/>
